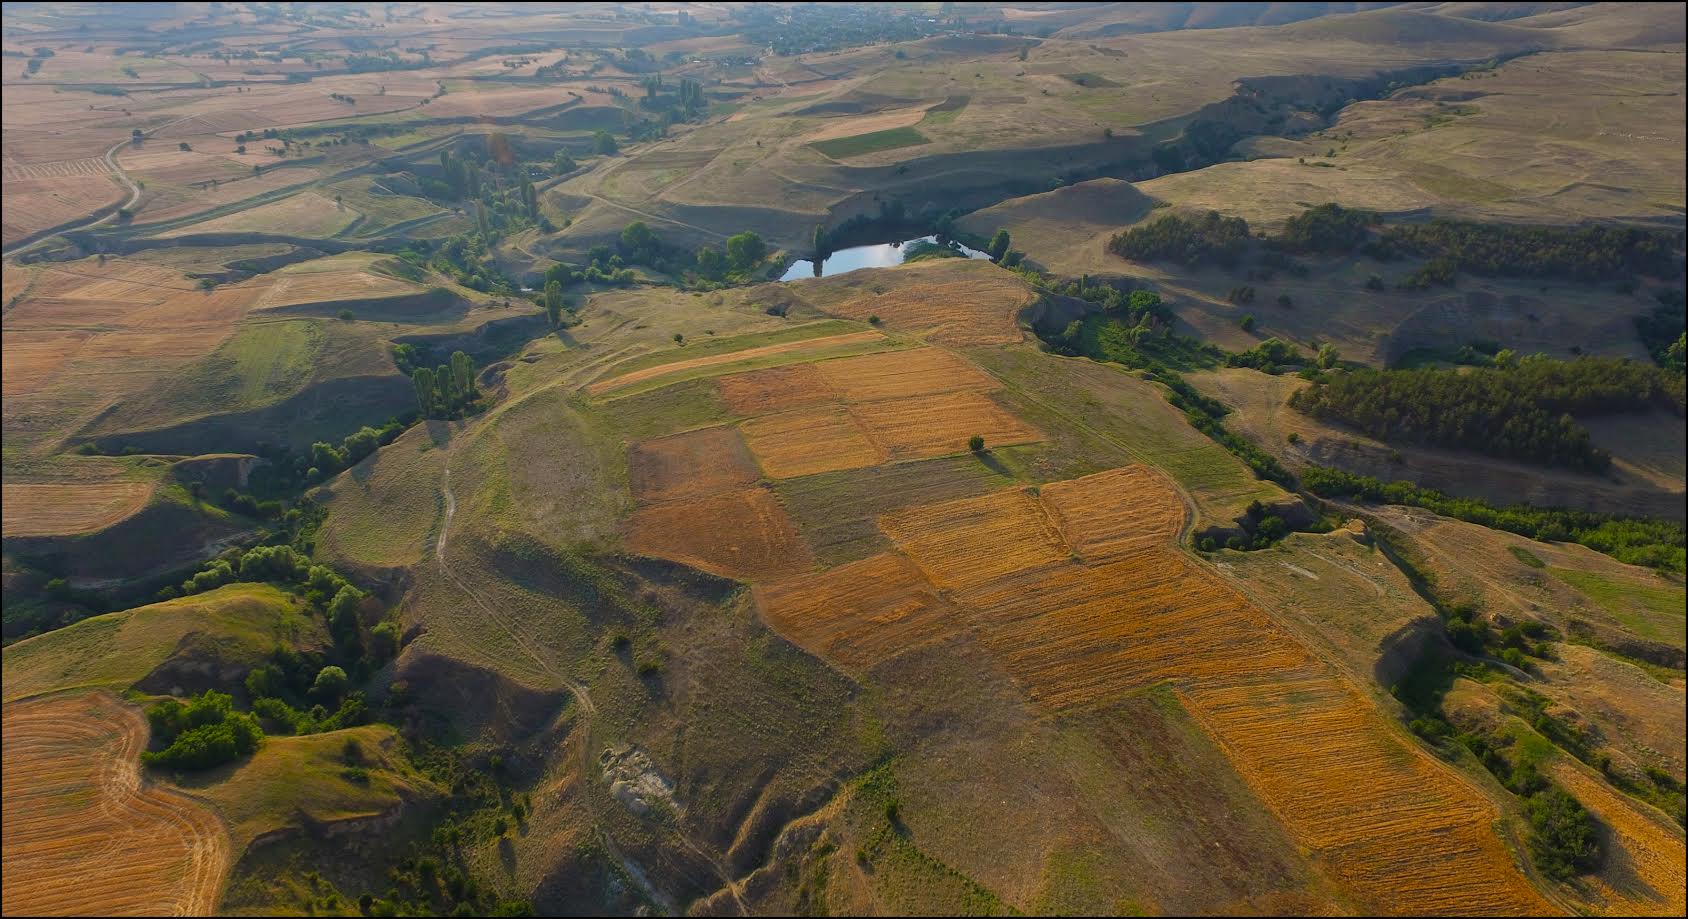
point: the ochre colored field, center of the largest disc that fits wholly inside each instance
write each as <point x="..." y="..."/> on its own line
<point x="974" y="542"/>
<point x="84" y="835"/>
<point x="776" y="389"/>
<point x="693" y="463"/>
<point x="950" y="301"/>
<point x="1399" y="832"/>
<point x="899" y="374"/>
<point x="1403" y="833"/>
<point x="1114" y="514"/>
<point x="808" y="441"/>
<point x="1644" y="873"/>
<point x="861" y="613"/>
<point x="739" y="534"/>
<point x="332" y="286"/>
<point x="731" y="357"/>
<point x="925" y="426"/>
<point x="64" y="509"/>
<point x="36" y="204"/>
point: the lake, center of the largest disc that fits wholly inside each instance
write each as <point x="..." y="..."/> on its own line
<point x="882" y="255"/>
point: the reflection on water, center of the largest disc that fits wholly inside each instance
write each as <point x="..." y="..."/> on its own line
<point x="882" y="255"/>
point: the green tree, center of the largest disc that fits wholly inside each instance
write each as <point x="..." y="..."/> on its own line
<point x="710" y="263"/>
<point x="603" y="143"/>
<point x="639" y="242"/>
<point x="423" y="379"/>
<point x="976" y="443"/>
<point x="331" y="683"/>
<point x="745" y="250"/>
<point x="553" y="301"/>
<point x="820" y="242"/>
<point x="1328" y="357"/>
<point x="463" y="374"/>
<point x="999" y="245"/>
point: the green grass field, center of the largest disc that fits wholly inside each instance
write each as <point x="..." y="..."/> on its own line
<point x="236" y="623"/>
<point x="1652" y="612"/>
<point x="872" y="142"/>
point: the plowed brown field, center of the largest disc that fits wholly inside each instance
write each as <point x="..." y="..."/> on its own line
<point x="84" y="836"/>
<point x="808" y="441"/>
<point x="776" y="389"/>
<point x="861" y="613"/>
<point x="739" y="534"/>
<point x="693" y="463"/>
<point x="937" y="425"/>
<point x="900" y="374"/>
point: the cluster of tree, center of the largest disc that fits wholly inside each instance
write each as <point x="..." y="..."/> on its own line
<point x="1328" y="229"/>
<point x="1271" y="356"/>
<point x="1521" y="412"/>
<point x="1584" y="253"/>
<point x="1634" y="540"/>
<point x="203" y="733"/>
<point x="1260" y="530"/>
<point x="1662" y="330"/>
<point x="1188" y="241"/>
<point x="447" y="390"/>
<point x="466" y="259"/>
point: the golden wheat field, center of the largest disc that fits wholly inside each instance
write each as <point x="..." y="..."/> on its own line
<point x="85" y="836"/>
<point x="776" y="389"/>
<point x="940" y="424"/>
<point x="809" y="441"/>
<point x="974" y="542"/>
<point x="803" y="346"/>
<point x="900" y="374"/>
<point x="1644" y="873"/>
<point x="56" y="509"/>
<point x="860" y="613"/>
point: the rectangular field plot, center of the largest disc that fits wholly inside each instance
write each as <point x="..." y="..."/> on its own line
<point x="975" y="542"/>
<point x="739" y="534"/>
<point x="693" y="463"/>
<point x="776" y="389"/>
<point x="900" y="374"/>
<point x="1401" y="832"/>
<point x="938" y="425"/>
<point x="1075" y="635"/>
<point x="808" y="441"/>
<point x="861" y="613"/>
<point x="1114" y="514"/>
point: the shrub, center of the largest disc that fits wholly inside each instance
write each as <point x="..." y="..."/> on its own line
<point x="1562" y="840"/>
<point x="976" y="443"/>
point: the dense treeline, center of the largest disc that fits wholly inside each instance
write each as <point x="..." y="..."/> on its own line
<point x="1637" y="541"/>
<point x="1329" y="229"/>
<point x="1188" y="241"/>
<point x="1583" y="253"/>
<point x="1662" y="330"/>
<point x="448" y="390"/>
<point x="1520" y="412"/>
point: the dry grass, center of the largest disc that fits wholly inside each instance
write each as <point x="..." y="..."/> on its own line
<point x="304" y="214"/>
<point x="740" y="534"/>
<point x="1110" y="515"/>
<point x="972" y="543"/>
<point x="950" y="301"/>
<point x="899" y="374"/>
<point x="84" y="835"/>
<point x="659" y="371"/>
<point x="64" y="510"/>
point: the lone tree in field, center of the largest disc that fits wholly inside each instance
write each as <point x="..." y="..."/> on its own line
<point x="604" y="144"/>
<point x="976" y="444"/>
<point x="999" y="245"/>
<point x="820" y="242"/>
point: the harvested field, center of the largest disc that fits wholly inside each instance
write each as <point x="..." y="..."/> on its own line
<point x="973" y="543"/>
<point x="1111" y="515"/>
<point x="899" y="374"/>
<point x="861" y="613"/>
<point x="84" y="835"/>
<point x="1402" y="833"/>
<point x="331" y="287"/>
<point x="809" y="441"/>
<point x="1076" y="636"/>
<point x="694" y="463"/>
<point x="33" y="358"/>
<point x="36" y="204"/>
<point x="776" y="389"/>
<point x="950" y="301"/>
<point x="1644" y="873"/>
<point x="304" y="214"/>
<point x="741" y="534"/>
<point x="732" y="357"/>
<point x="938" y="425"/>
<point x="837" y="512"/>
<point x="63" y="509"/>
